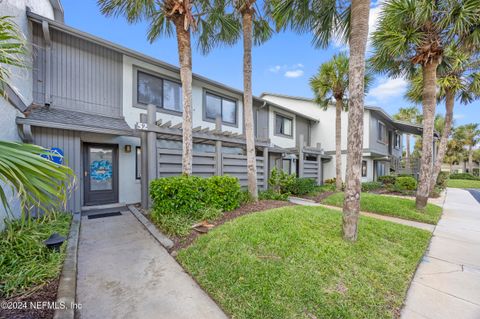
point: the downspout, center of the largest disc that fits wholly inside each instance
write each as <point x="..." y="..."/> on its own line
<point x="48" y="62"/>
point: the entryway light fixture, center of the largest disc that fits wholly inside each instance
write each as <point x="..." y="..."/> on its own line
<point x="128" y="148"/>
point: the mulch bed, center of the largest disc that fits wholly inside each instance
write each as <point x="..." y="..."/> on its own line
<point x="318" y="197"/>
<point x="261" y="205"/>
<point x="47" y="292"/>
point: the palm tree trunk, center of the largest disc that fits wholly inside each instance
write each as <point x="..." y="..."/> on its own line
<point x="247" y="103"/>
<point x="185" y="58"/>
<point x="360" y="10"/>
<point x="407" y="155"/>
<point x="429" y="102"/>
<point x="442" y="146"/>
<point x="338" y="143"/>
<point x="470" y="159"/>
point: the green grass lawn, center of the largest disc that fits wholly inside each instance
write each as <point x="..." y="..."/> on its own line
<point x="291" y="262"/>
<point x="25" y="262"/>
<point x="463" y="183"/>
<point x="391" y="206"/>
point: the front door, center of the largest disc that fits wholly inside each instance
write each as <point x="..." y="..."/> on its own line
<point x="100" y="162"/>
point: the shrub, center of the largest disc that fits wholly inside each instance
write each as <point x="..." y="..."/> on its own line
<point x="191" y="194"/>
<point x="280" y="181"/>
<point x="300" y="186"/>
<point x="442" y="179"/>
<point x="25" y="261"/>
<point x="371" y="186"/>
<point x="272" y="195"/>
<point x="387" y="179"/>
<point x="331" y="181"/>
<point x="463" y="176"/>
<point x="406" y="183"/>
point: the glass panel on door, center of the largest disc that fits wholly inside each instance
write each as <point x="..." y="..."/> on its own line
<point x="101" y="169"/>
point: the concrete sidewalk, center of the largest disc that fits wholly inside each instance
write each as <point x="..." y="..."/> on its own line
<point x="447" y="282"/>
<point x="123" y="272"/>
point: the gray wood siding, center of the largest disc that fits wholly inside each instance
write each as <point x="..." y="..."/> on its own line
<point x="377" y="146"/>
<point x="69" y="142"/>
<point x="260" y="118"/>
<point x="85" y="77"/>
<point x="302" y="126"/>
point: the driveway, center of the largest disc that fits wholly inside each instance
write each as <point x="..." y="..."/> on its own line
<point x="447" y="282"/>
<point x="123" y="272"/>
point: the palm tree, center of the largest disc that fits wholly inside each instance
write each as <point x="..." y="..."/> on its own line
<point x="414" y="34"/>
<point x="469" y="134"/>
<point x="454" y="152"/>
<point x="164" y="18"/>
<point x="326" y="20"/>
<point x="223" y="27"/>
<point x="12" y="50"/>
<point x="458" y="79"/>
<point x="410" y="115"/>
<point x="331" y="81"/>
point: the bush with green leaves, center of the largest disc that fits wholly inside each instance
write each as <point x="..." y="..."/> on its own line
<point x="466" y="176"/>
<point x="387" y="179"/>
<point x="300" y="186"/>
<point x="280" y="181"/>
<point x="442" y="179"/>
<point x="371" y="186"/>
<point x="180" y="201"/>
<point x="269" y="194"/>
<point x="406" y="183"/>
<point x="331" y="181"/>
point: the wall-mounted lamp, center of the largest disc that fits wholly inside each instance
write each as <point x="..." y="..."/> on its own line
<point x="128" y="148"/>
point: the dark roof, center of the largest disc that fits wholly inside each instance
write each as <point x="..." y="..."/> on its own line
<point x="77" y="121"/>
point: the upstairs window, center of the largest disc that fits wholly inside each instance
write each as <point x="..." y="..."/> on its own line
<point x="283" y="125"/>
<point x="163" y="93"/>
<point x="382" y="132"/>
<point x="397" y="140"/>
<point x="219" y="106"/>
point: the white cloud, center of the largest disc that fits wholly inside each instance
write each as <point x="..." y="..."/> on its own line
<point x="373" y="20"/>
<point x="388" y="89"/>
<point x="458" y="116"/>
<point x="294" y="73"/>
<point x="289" y="71"/>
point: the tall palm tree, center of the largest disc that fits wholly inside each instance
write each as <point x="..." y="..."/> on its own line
<point x="454" y="152"/>
<point x="414" y="34"/>
<point x="223" y="26"/>
<point x="166" y="18"/>
<point x="410" y="115"/>
<point x="327" y="19"/>
<point x="331" y="81"/>
<point x="458" y="78"/>
<point x="469" y="134"/>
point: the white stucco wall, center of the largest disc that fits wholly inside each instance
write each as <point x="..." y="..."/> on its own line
<point x="323" y="131"/>
<point x="329" y="168"/>
<point x="132" y="114"/>
<point x="20" y="80"/>
<point x="282" y="141"/>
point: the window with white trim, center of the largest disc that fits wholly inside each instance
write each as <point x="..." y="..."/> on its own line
<point x="220" y="106"/>
<point x="163" y="93"/>
<point x="283" y="125"/>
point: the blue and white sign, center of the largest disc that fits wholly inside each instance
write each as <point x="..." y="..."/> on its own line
<point x="55" y="155"/>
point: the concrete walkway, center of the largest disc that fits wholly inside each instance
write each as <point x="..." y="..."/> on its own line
<point x="123" y="272"/>
<point x="447" y="282"/>
<point x="424" y="226"/>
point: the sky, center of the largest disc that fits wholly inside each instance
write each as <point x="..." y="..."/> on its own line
<point x="282" y="65"/>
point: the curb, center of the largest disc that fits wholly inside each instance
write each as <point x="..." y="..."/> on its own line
<point x="67" y="286"/>
<point x="152" y="229"/>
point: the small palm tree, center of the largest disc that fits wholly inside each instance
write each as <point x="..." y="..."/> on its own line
<point x="458" y="78"/>
<point x="226" y="23"/>
<point x="37" y="181"/>
<point x="414" y="34"/>
<point x="166" y="18"/>
<point x="326" y="20"/>
<point x="12" y="50"/>
<point x="469" y="134"/>
<point x="331" y="81"/>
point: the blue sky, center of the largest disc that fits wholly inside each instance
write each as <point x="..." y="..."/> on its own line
<point x="282" y="65"/>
